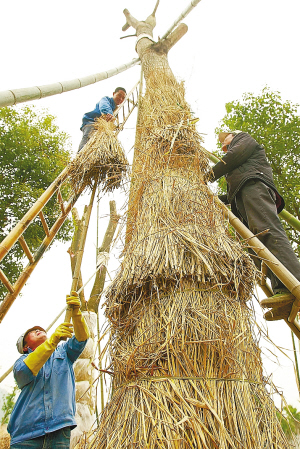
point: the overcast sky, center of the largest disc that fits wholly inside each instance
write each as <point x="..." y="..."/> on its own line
<point x="231" y="47"/>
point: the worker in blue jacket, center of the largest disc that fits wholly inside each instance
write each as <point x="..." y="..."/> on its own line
<point x="105" y="109"/>
<point x="43" y="415"/>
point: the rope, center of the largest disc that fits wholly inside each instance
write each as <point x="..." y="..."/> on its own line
<point x="164" y="378"/>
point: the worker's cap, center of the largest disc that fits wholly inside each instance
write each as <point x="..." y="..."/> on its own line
<point x="20" y="342"/>
<point x="223" y="135"/>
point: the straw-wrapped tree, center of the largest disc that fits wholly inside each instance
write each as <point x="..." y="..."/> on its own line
<point x="187" y="368"/>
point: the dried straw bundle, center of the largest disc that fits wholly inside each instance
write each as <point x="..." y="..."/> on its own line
<point x="101" y="158"/>
<point x="4" y="438"/>
<point x="187" y="371"/>
<point x="189" y="376"/>
<point x="179" y="233"/>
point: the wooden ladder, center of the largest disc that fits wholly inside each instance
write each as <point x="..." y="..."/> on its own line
<point x="269" y="260"/>
<point x="122" y="114"/>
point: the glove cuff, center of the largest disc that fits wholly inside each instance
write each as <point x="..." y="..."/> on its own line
<point x="81" y="329"/>
<point x="36" y="359"/>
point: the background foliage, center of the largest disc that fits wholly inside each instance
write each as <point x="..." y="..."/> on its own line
<point x="289" y="420"/>
<point x="33" y="151"/>
<point x="8" y="405"/>
<point x="275" y="124"/>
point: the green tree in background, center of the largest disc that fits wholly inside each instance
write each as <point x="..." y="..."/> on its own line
<point x="276" y="125"/>
<point x="8" y="405"/>
<point x="33" y="151"/>
<point x="290" y="420"/>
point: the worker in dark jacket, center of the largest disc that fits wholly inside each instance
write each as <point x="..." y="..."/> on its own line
<point x="43" y="415"/>
<point x="255" y="200"/>
<point x="105" y="109"/>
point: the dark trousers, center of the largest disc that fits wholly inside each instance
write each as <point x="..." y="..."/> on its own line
<point x="59" y="439"/>
<point x="86" y="134"/>
<point x="256" y="205"/>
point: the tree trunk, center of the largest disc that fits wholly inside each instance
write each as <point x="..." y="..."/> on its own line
<point x="187" y="368"/>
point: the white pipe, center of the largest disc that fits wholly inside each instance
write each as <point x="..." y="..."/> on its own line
<point x="12" y="97"/>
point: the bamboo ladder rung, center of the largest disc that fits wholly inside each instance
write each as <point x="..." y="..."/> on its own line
<point x="61" y="202"/>
<point x="6" y="282"/>
<point x="26" y="249"/>
<point x="44" y="223"/>
<point x="294" y="311"/>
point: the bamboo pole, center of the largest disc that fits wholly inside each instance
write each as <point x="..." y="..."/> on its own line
<point x="290" y="219"/>
<point x="80" y="250"/>
<point x="292" y="284"/>
<point x="19" y="284"/>
<point x="294" y="327"/>
<point x="296" y="363"/>
<point x="12" y="97"/>
<point x="23" y="224"/>
<point x="184" y="13"/>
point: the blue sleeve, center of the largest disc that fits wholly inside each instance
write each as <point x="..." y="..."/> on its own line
<point x="105" y="106"/>
<point x="22" y="373"/>
<point x="74" y="348"/>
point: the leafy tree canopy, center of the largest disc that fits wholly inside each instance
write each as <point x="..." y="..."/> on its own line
<point x="33" y="151"/>
<point x="276" y="125"/>
<point x="8" y="405"/>
<point x="289" y="420"/>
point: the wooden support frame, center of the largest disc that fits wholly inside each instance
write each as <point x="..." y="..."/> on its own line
<point x="126" y="102"/>
<point x="19" y="284"/>
<point x="79" y="255"/>
<point x="291" y="283"/>
<point x="16" y="233"/>
<point x="23" y="224"/>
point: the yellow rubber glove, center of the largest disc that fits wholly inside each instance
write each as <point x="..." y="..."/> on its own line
<point x="81" y="330"/>
<point x="36" y="359"/>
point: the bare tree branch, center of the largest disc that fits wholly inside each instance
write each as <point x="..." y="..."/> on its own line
<point x="130" y="21"/>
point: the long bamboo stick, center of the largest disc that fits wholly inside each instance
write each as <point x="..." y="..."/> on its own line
<point x="23" y="224"/>
<point x="292" y="284"/>
<point x="290" y="219"/>
<point x="80" y="250"/>
<point x="12" y="97"/>
<point x="184" y="13"/>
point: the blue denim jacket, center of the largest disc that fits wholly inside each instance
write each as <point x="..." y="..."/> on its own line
<point x="47" y="401"/>
<point x="105" y="106"/>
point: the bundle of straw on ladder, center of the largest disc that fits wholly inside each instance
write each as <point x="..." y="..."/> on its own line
<point x="101" y="158"/>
